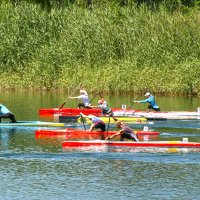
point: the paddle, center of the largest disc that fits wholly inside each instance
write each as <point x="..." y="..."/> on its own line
<point x="131" y="105"/>
<point x="108" y="125"/>
<point x="83" y="122"/>
<point x="92" y="99"/>
<point x="70" y="95"/>
<point x="98" y="93"/>
<point x="133" y="102"/>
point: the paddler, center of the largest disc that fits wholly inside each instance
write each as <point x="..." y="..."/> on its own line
<point x="96" y="122"/>
<point x="125" y="132"/>
<point x="84" y="97"/>
<point x="102" y="104"/>
<point x="5" y="113"/>
<point x="151" y="100"/>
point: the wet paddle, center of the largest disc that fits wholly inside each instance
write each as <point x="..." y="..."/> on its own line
<point x="70" y="95"/>
<point x="95" y="96"/>
<point x="83" y="121"/>
<point x="92" y="100"/>
<point x="131" y="105"/>
<point x="108" y="125"/>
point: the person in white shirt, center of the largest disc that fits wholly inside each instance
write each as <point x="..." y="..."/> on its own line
<point x="85" y="99"/>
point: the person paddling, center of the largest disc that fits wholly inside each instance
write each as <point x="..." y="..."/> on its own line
<point x="102" y="104"/>
<point x="96" y="122"/>
<point x="85" y="99"/>
<point x="125" y="132"/>
<point x="5" y="113"/>
<point x="151" y="100"/>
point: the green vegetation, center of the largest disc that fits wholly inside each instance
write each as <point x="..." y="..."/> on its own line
<point x="119" y="48"/>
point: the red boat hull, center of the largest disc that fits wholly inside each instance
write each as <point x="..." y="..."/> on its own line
<point x="158" y="144"/>
<point x="76" y="111"/>
<point x="69" y="111"/>
<point x="82" y="134"/>
<point x="123" y="112"/>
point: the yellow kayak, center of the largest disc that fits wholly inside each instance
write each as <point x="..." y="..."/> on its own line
<point x="122" y="119"/>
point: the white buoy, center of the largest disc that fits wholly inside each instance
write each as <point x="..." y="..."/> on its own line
<point x="185" y="139"/>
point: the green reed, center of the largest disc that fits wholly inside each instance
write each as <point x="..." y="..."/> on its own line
<point x="117" y="49"/>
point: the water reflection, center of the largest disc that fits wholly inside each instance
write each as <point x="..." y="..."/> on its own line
<point x="34" y="169"/>
<point x="5" y="137"/>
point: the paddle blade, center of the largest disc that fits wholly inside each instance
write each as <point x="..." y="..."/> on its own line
<point x="62" y="105"/>
<point x="83" y="122"/>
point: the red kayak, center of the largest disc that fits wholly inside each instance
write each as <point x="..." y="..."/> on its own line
<point x="123" y="112"/>
<point x="69" y="111"/>
<point x="76" y="111"/>
<point x="147" y="146"/>
<point x="82" y="134"/>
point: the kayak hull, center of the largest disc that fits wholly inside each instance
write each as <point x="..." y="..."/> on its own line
<point x="182" y="115"/>
<point x="82" y="134"/>
<point x="130" y="144"/>
<point x="69" y="111"/>
<point x="122" y="112"/>
<point x="147" y="146"/>
<point x="76" y="111"/>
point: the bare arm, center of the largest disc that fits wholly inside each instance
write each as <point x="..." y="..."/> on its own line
<point x="116" y="134"/>
<point x="73" y="97"/>
<point x="84" y="115"/>
<point x="93" y="106"/>
<point x="91" y="127"/>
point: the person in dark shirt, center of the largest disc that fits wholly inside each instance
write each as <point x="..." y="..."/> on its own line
<point x="96" y="122"/>
<point x="125" y="132"/>
<point x="102" y="104"/>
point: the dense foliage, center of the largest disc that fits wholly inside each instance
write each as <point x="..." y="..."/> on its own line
<point x="115" y="45"/>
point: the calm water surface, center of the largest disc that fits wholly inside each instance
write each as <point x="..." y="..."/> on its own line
<point x="39" y="169"/>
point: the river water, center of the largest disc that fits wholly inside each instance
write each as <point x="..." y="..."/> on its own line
<point x="31" y="168"/>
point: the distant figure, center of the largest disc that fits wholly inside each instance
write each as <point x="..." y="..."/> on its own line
<point x="102" y="104"/>
<point x="151" y="100"/>
<point x="96" y="122"/>
<point x="5" y="113"/>
<point x="125" y="132"/>
<point x="85" y="99"/>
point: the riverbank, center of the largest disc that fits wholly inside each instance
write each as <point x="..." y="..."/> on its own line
<point x="117" y="49"/>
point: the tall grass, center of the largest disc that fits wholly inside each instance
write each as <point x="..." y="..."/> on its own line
<point x="117" y="49"/>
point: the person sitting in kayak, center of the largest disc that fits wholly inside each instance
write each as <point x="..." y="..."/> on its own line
<point x="85" y="99"/>
<point x="125" y="132"/>
<point x="151" y="100"/>
<point x="96" y="122"/>
<point x="5" y="113"/>
<point x="102" y="104"/>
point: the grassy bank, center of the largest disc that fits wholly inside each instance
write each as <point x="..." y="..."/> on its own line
<point x="120" y="49"/>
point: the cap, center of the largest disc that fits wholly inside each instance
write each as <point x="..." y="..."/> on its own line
<point x="147" y="94"/>
<point x="100" y="101"/>
<point x="118" y="124"/>
<point x="83" y="92"/>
